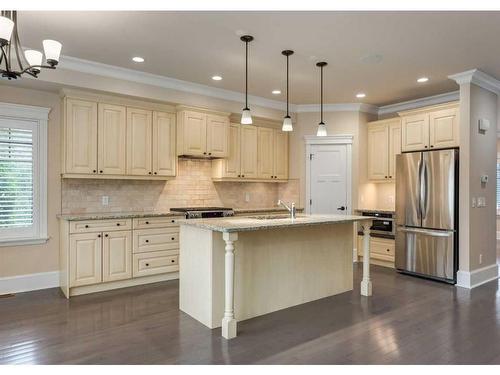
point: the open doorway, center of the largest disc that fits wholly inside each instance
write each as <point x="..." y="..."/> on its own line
<point x="498" y="200"/>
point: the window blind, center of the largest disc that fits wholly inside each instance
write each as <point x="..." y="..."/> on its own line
<point x="16" y="178"/>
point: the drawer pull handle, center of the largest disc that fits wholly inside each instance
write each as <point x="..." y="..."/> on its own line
<point x="86" y="226"/>
<point x="147" y="264"/>
<point x="147" y="241"/>
<point x="173" y="238"/>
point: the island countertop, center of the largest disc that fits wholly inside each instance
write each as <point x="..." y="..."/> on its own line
<point x="242" y="224"/>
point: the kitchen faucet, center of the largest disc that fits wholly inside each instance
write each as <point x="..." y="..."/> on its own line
<point x="291" y="209"/>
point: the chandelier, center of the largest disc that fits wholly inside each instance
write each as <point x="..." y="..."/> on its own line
<point x="13" y="62"/>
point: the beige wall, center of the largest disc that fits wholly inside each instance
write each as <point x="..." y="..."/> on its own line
<point x="338" y="123"/>
<point x="18" y="260"/>
<point x="477" y="228"/>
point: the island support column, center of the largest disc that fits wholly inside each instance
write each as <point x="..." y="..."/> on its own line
<point x="229" y="322"/>
<point x="366" y="283"/>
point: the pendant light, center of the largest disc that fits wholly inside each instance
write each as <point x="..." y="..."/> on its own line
<point x="287" y="121"/>
<point x="321" y="126"/>
<point x="246" y="116"/>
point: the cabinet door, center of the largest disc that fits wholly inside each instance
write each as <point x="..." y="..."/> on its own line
<point x="378" y="145"/>
<point x="443" y="128"/>
<point x="394" y="147"/>
<point x="265" y="152"/>
<point x="139" y="128"/>
<point x="117" y="255"/>
<point x="280" y="155"/>
<point x="217" y="136"/>
<point x="231" y="165"/>
<point x="163" y="144"/>
<point x="194" y="133"/>
<point x="80" y="137"/>
<point x="111" y="139"/>
<point x="85" y="259"/>
<point x="248" y="147"/>
<point x="415" y="132"/>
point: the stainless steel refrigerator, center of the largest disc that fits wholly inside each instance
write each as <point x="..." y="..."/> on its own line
<point x="427" y="214"/>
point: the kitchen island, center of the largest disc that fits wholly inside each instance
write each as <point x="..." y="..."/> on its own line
<point x="236" y="268"/>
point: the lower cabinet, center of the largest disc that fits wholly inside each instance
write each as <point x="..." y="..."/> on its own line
<point x="98" y="255"/>
<point x="382" y="251"/>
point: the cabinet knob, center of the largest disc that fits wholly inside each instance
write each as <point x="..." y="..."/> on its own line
<point x="390" y="176"/>
<point x="86" y="226"/>
<point x="149" y="172"/>
<point x="432" y="146"/>
<point x="156" y="173"/>
<point x="106" y="235"/>
<point x="100" y="171"/>
<point x="425" y="146"/>
<point x="388" y="250"/>
<point x="147" y="241"/>
<point x="204" y="153"/>
<point x="117" y="224"/>
<point x="173" y="261"/>
<point x="147" y="222"/>
<point x="173" y="221"/>
<point x="209" y="153"/>
<point x="385" y="176"/>
<point x="173" y="238"/>
<point x="99" y="236"/>
<point x="242" y="175"/>
<point x="147" y="264"/>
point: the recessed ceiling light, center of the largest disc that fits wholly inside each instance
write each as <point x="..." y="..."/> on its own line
<point x="137" y="59"/>
<point x="422" y="79"/>
<point x="217" y="78"/>
<point x="360" y="95"/>
<point x="276" y="92"/>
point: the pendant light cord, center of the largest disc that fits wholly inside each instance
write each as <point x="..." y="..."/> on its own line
<point x="246" y="74"/>
<point x="287" y="86"/>
<point x="321" y="95"/>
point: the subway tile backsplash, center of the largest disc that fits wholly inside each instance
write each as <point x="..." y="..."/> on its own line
<point x="193" y="186"/>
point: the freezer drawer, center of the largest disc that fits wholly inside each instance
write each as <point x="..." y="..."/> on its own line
<point x="426" y="252"/>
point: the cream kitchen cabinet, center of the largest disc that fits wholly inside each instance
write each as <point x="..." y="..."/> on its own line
<point x="265" y="153"/>
<point x="382" y="251"/>
<point x="80" y="137"/>
<point x="280" y="155"/>
<point x="430" y="127"/>
<point x="384" y="143"/>
<point x="97" y="255"/>
<point x="202" y="133"/>
<point x="241" y="162"/>
<point x="109" y="140"/>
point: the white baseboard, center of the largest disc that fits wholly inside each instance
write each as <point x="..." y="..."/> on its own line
<point x="26" y="283"/>
<point x="477" y="277"/>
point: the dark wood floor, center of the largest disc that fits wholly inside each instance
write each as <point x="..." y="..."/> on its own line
<point x="407" y="321"/>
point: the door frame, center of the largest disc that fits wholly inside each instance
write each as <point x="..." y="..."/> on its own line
<point x="312" y="140"/>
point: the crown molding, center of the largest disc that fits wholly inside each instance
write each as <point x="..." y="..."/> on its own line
<point x="339" y="107"/>
<point x="24" y="111"/>
<point x="418" y="103"/>
<point x="112" y="71"/>
<point x="478" y="78"/>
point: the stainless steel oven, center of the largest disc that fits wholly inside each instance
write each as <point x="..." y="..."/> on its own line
<point x="382" y="224"/>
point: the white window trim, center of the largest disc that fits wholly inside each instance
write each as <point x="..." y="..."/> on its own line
<point x="40" y="115"/>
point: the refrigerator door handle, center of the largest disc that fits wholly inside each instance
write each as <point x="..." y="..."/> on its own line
<point x="425" y="192"/>
<point x="419" y="189"/>
<point x="433" y="233"/>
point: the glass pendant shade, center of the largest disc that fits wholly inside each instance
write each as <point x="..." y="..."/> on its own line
<point x="246" y="117"/>
<point x="6" y="27"/>
<point x="321" y="130"/>
<point x="287" y="124"/>
<point x="34" y="58"/>
<point x="52" y="49"/>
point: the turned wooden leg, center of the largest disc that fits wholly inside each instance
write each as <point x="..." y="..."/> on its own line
<point x="228" y="322"/>
<point x="366" y="283"/>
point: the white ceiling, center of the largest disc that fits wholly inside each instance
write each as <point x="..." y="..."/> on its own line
<point x="193" y="46"/>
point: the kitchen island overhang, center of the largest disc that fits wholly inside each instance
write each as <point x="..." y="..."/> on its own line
<point x="233" y="269"/>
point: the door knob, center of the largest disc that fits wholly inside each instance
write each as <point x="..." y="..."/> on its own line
<point x="341" y="208"/>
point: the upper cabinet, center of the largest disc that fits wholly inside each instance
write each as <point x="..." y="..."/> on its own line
<point x="202" y="133"/>
<point x="430" y="127"/>
<point x="106" y="140"/>
<point x="255" y="153"/>
<point x="384" y="143"/>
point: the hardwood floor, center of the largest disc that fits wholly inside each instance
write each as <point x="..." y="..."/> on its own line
<point x="407" y="321"/>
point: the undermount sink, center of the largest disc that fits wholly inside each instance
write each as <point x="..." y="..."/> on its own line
<point x="275" y="217"/>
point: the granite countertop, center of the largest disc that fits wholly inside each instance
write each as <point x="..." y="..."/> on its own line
<point x="241" y="224"/>
<point x="116" y="215"/>
<point x="374" y="210"/>
<point x="243" y="211"/>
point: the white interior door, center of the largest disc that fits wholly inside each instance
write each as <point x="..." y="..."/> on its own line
<point x="329" y="179"/>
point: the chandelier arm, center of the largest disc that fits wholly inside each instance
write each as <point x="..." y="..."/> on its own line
<point x="17" y="44"/>
<point x="28" y="69"/>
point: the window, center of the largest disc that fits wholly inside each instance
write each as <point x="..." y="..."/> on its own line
<point x="498" y="182"/>
<point x="23" y="180"/>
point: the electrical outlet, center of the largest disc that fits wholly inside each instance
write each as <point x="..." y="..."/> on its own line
<point x="247" y="197"/>
<point x="105" y="200"/>
<point x="473" y="202"/>
<point x="481" y="201"/>
<point x="480" y="258"/>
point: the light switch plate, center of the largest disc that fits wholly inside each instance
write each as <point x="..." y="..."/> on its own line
<point x="481" y="201"/>
<point x="247" y="197"/>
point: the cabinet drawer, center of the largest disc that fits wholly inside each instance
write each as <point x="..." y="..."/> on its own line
<point x="86" y="226"/>
<point x="156" y="222"/>
<point x="156" y="239"/>
<point x="380" y="246"/>
<point x="146" y="264"/>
